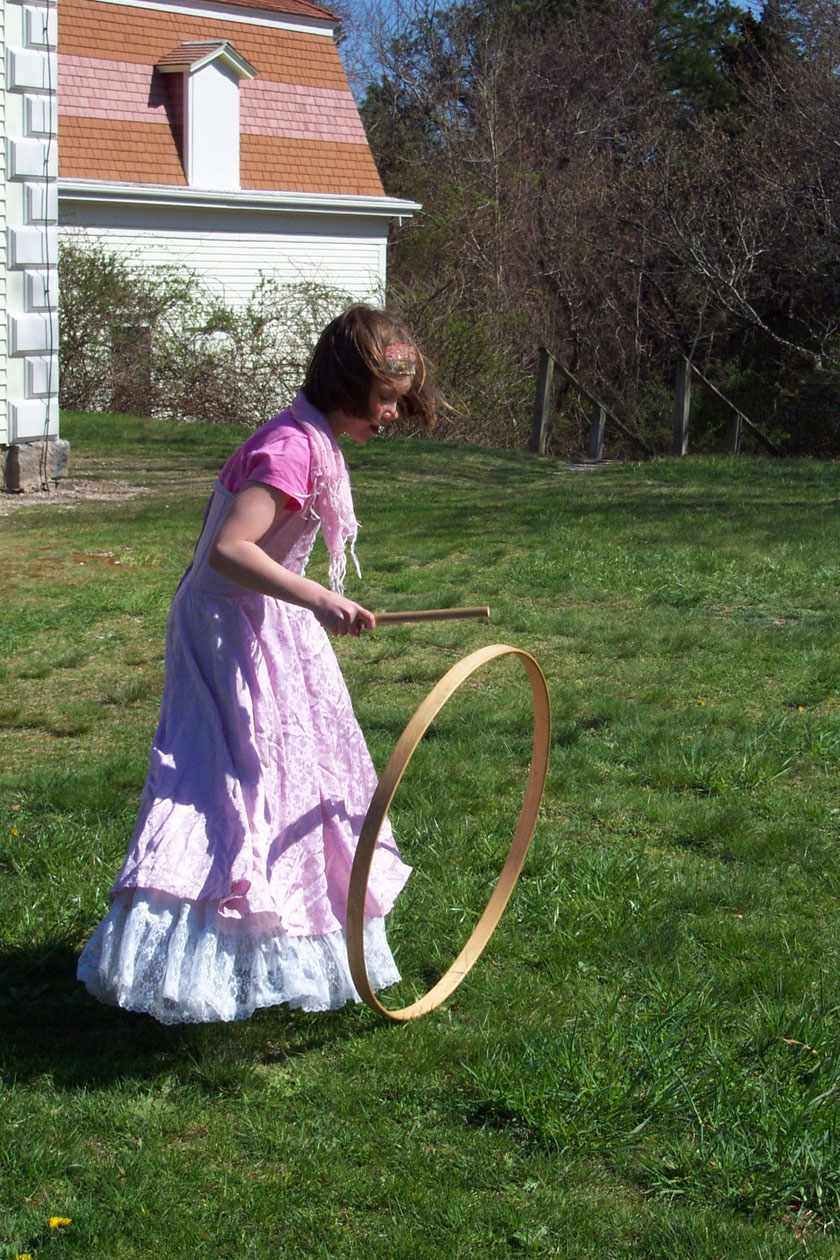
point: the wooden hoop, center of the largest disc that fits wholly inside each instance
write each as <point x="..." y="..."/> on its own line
<point x="381" y="802"/>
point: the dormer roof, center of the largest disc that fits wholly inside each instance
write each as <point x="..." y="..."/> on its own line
<point x="194" y="54"/>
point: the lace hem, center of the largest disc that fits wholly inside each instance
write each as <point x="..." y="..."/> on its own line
<point x="178" y="961"/>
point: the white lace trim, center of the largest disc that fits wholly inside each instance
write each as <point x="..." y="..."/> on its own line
<point x="171" y="959"/>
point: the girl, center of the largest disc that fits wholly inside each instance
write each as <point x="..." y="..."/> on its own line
<point x="233" y="894"/>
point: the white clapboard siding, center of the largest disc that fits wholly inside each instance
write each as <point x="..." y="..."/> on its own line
<point x="343" y="254"/>
<point x="4" y="370"/>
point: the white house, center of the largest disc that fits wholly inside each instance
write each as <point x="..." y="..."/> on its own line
<point x="29" y="452"/>
<point x="219" y="135"/>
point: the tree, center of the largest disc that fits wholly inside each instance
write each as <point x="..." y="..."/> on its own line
<point x="621" y="182"/>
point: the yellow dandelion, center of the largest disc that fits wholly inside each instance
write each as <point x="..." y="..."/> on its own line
<point x="15" y="831"/>
<point x="702" y="703"/>
<point x="23" y="1256"/>
<point x="800" y="708"/>
<point x="56" y="1222"/>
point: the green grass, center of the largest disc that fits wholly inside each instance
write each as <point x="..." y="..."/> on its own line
<point x="646" y="1060"/>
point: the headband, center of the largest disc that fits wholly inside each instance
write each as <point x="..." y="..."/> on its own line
<point x="400" y="359"/>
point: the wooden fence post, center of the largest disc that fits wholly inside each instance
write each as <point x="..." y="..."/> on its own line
<point x="545" y="374"/>
<point x="595" y="444"/>
<point x="682" y="406"/>
<point x="598" y="407"/>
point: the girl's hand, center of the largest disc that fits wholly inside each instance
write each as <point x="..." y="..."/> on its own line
<point x="342" y="616"/>
<point x="236" y="553"/>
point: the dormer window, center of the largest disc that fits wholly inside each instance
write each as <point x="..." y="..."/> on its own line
<point x="210" y="71"/>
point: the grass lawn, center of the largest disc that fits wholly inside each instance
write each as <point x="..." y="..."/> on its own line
<point x="646" y="1060"/>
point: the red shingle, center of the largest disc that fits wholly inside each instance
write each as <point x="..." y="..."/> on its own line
<point x="98" y="148"/>
<point x="132" y="149"/>
<point x="308" y="166"/>
<point x="90" y="28"/>
<point x="295" y="8"/>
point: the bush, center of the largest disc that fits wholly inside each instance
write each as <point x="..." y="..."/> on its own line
<point x="152" y="341"/>
<point x="479" y="367"/>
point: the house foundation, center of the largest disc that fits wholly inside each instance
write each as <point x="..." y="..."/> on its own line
<point x="28" y="466"/>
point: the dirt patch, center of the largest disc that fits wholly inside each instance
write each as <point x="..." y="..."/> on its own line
<point x="70" y="493"/>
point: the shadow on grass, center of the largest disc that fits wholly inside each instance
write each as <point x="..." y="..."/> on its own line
<point x="52" y="1027"/>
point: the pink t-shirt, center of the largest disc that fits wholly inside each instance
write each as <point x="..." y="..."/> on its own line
<point x="277" y="454"/>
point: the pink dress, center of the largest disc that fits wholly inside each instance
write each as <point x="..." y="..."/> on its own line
<point x="233" y="893"/>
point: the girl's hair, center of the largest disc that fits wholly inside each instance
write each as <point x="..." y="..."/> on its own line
<point x="361" y="347"/>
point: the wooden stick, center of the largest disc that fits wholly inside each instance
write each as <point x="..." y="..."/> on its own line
<point x="430" y="614"/>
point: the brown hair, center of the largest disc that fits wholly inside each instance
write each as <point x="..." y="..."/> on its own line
<point x="350" y="358"/>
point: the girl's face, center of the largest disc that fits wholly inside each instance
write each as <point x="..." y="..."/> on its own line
<point x="383" y="401"/>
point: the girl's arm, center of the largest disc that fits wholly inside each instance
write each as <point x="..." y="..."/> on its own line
<point x="236" y="553"/>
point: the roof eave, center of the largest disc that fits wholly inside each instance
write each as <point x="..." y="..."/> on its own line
<point x="228" y="9"/>
<point x="105" y="192"/>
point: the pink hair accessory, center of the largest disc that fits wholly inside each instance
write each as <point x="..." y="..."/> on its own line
<point x="400" y="359"/>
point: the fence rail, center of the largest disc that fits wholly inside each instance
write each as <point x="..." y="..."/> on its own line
<point x="601" y="414"/>
<point x="682" y="407"/>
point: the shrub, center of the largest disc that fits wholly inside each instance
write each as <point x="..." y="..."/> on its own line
<point x="153" y="341"/>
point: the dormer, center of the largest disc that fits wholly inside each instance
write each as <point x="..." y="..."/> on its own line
<point x="208" y="93"/>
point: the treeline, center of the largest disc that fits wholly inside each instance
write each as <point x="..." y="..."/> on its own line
<point x="624" y="182"/>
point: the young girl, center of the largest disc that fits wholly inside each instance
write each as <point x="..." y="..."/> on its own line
<point x="233" y="894"/>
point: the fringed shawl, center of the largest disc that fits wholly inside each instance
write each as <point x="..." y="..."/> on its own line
<point x="331" y="498"/>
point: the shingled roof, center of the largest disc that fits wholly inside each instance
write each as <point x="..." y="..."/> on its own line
<point x="295" y="8"/>
<point x="195" y="53"/>
<point x="300" y="129"/>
